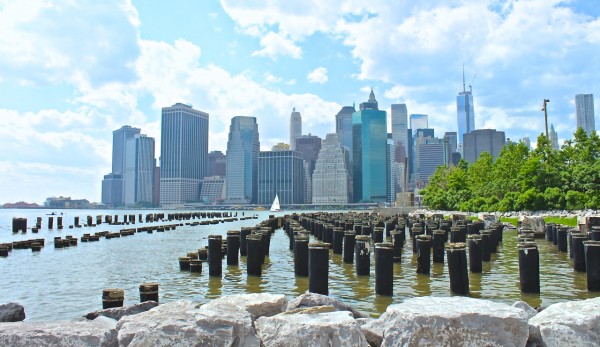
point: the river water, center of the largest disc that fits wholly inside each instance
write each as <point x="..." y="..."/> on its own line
<point x="67" y="283"/>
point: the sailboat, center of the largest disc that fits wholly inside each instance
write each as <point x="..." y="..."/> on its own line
<point x="275" y="207"/>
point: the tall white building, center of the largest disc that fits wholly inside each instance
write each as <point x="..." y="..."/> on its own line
<point x="429" y="155"/>
<point x="400" y="125"/>
<point x="465" y="111"/>
<point x="183" y="154"/>
<point x="140" y="162"/>
<point x="584" y="110"/>
<point x="330" y="178"/>
<point x="295" y="127"/>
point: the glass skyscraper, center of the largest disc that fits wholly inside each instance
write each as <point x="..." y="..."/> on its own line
<point x="112" y="184"/>
<point x="281" y="173"/>
<point x="465" y="112"/>
<point x="295" y="127"/>
<point x="418" y="121"/>
<point x="243" y="147"/>
<point x="139" y="170"/>
<point x="183" y="154"/>
<point x="369" y="141"/>
<point x="584" y="110"/>
<point x="400" y="125"/>
<point x="343" y="127"/>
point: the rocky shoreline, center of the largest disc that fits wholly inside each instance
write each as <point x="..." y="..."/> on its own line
<point x="314" y="320"/>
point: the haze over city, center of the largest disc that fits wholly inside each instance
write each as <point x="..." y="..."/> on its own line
<point x="72" y="72"/>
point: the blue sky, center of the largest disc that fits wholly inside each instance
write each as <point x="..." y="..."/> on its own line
<point x="71" y="72"/>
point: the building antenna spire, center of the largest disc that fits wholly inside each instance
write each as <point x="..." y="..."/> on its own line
<point x="464" y="86"/>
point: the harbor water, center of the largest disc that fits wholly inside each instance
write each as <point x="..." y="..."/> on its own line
<point x="66" y="283"/>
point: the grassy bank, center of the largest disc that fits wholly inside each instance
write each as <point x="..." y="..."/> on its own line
<point x="569" y="221"/>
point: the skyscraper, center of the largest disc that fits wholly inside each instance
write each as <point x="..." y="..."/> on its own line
<point x="184" y="154"/>
<point x="429" y="155"/>
<point x="243" y="147"/>
<point x="295" y="127"/>
<point x="112" y="184"/>
<point x="330" y="177"/>
<point x="281" y="173"/>
<point x="308" y="146"/>
<point x="216" y="164"/>
<point x="399" y="124"/>
<point x="483" y="140"/>
<point x="390" y="167"/>
<point x="465" y="111"/>
<point x="450" y="144"/>
<point x="584" y="109"/>
<point x="343" y="127"/>
<point x="140" y="163"/>
<point x="553" y="137"/>
<point x="369" y="140"/>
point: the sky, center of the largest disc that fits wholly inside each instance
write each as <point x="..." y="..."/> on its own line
<point x="71" y="72"/>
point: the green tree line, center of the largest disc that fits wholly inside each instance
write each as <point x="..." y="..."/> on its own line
<point x="522" y="179"/>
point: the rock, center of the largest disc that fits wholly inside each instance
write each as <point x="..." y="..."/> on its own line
<point x="372" y="329"/>
<point x="437" y="321"/>
<point x="311" y="299"/>
<point x="98" y="332"/>
<point x="529" y="311"/>
<point x="536" y="224"/>
<point x="12" y="312"/>
<point x="119" y="312"/>
<point x="317" y="329"/>
<point x="573" y="323"/>
<point x="258" y="305"/>
<point x="172" y="323"/>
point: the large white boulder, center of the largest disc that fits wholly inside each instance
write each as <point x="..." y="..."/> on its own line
<point x="313" y="327"/>
<point x="309" y="299"/>
<point x="453" y="321"/>
<point x="573" y="323"/>
<point x="98" y="332"/>
<point x="257" y="304"/>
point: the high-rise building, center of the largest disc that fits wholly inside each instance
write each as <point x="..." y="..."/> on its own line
<point x="465" y="111"/>
<point x="213" y="190"/>
<point x="183" y="154"/>
<point x="309" y="147"/>
<point x="112" y="184"/>
<point x="450" y="143"/>
<point x="295" y="127"/>
<point x="280" y="173"/>
<point x="390" y="167"/>
<point x="524" y="140"/>
<point x="243" y="148"/>
<point x="429" y="155"/>
<point x="553" y="137"/>
<point x="584" y="110"/>
<point x="414" y="162"/>
<point x="330" y="178"/>
<point x="140" y="164"/>
<point x="369" y="141"/>
<point x="418" y="121"/>
<point x="343" y="127"/>
<point x="399" y="124"/>
<point x="217" y="163"/>
<point x="483" y="140"/>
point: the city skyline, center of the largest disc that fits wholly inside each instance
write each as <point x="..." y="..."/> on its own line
<point x="66" y="85"/>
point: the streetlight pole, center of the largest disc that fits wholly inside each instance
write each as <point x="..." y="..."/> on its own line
<point x="545" y="109"/>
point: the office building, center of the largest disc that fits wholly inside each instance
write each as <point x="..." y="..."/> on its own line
<point x="213" y="190"/>
<point x="243" y="148"/>
<point x="584" y="111"/>
<point x="429" y="155"/>
<point x="465" y="111"/>
<point x="390" y="167"/>
<point x="330" y="178"/>
<point x="418" y="121"/>
<point x="524" y="140"/>
<point x="183" y="154"/>
<point x="450" y="143"/>
<point x="343" y="127"/>
<point x="399" y="116"/>
<point x="295" y="127"/>
<point x="309" y="147"/>
<point x="112" y="184"/>
<point x="483" y="140"/>
<point x="112" y="189"/>
<point x="217" y="164"/>
<point x="369" y="137"/>
<point x="140" y="164"/>
<point x="280" y="173"/>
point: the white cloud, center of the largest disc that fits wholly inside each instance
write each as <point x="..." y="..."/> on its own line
<point x="270" y="78"/>
<point x="318" y="75"/>
<point x="274" y="45"/>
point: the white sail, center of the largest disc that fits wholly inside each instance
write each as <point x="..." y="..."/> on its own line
<point x="275" y="206"/>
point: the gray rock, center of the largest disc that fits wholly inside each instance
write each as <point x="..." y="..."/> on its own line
<point x="226" y="325"/>
<point x="536" y="224"/>
<point x="573" y="323"/>
<point x="12" y="312"/>
<point x="325" y="329"/>
<point x="450" y="321"/>
<point x="372" y="329"/>
<point x="119" y="312"/>
<point x="529" y="311"/>
<point x="98" y="332"/>
<point x="311" y="299"/>
<point x="258" y="304"/>
<point x="172" y="323"/>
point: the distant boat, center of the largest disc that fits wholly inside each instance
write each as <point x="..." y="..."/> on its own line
<point x="275" y="207"/>
<point x="51" y="214"/>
